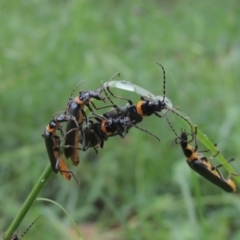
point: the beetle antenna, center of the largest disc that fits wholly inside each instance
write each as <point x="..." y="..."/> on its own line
<point x="29" y="226"/>
<point x="146" y="131"/>
<point x="164" y="81"/>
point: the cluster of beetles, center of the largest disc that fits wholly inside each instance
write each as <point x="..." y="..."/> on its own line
<point x="83" y="132"/>
<point x="85" y="128"/>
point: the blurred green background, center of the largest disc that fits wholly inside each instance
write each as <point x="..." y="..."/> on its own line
<point x="136" y="188"/>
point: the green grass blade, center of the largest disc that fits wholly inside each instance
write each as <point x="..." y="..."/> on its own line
<point x="65" y="211"/>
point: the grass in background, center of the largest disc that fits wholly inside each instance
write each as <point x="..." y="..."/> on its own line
<point x="138" y="185"/>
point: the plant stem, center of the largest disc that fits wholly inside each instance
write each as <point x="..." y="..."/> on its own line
<point x="29" y="201"/>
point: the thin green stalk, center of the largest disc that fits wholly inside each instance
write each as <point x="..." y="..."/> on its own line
<point x="29" y="201"/>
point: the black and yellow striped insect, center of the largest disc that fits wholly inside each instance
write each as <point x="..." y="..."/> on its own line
<point x="75" y="108"/>
<point x="147" y="106"/>
<point x="201" y="164"/>
<point x="53" y="146"/>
